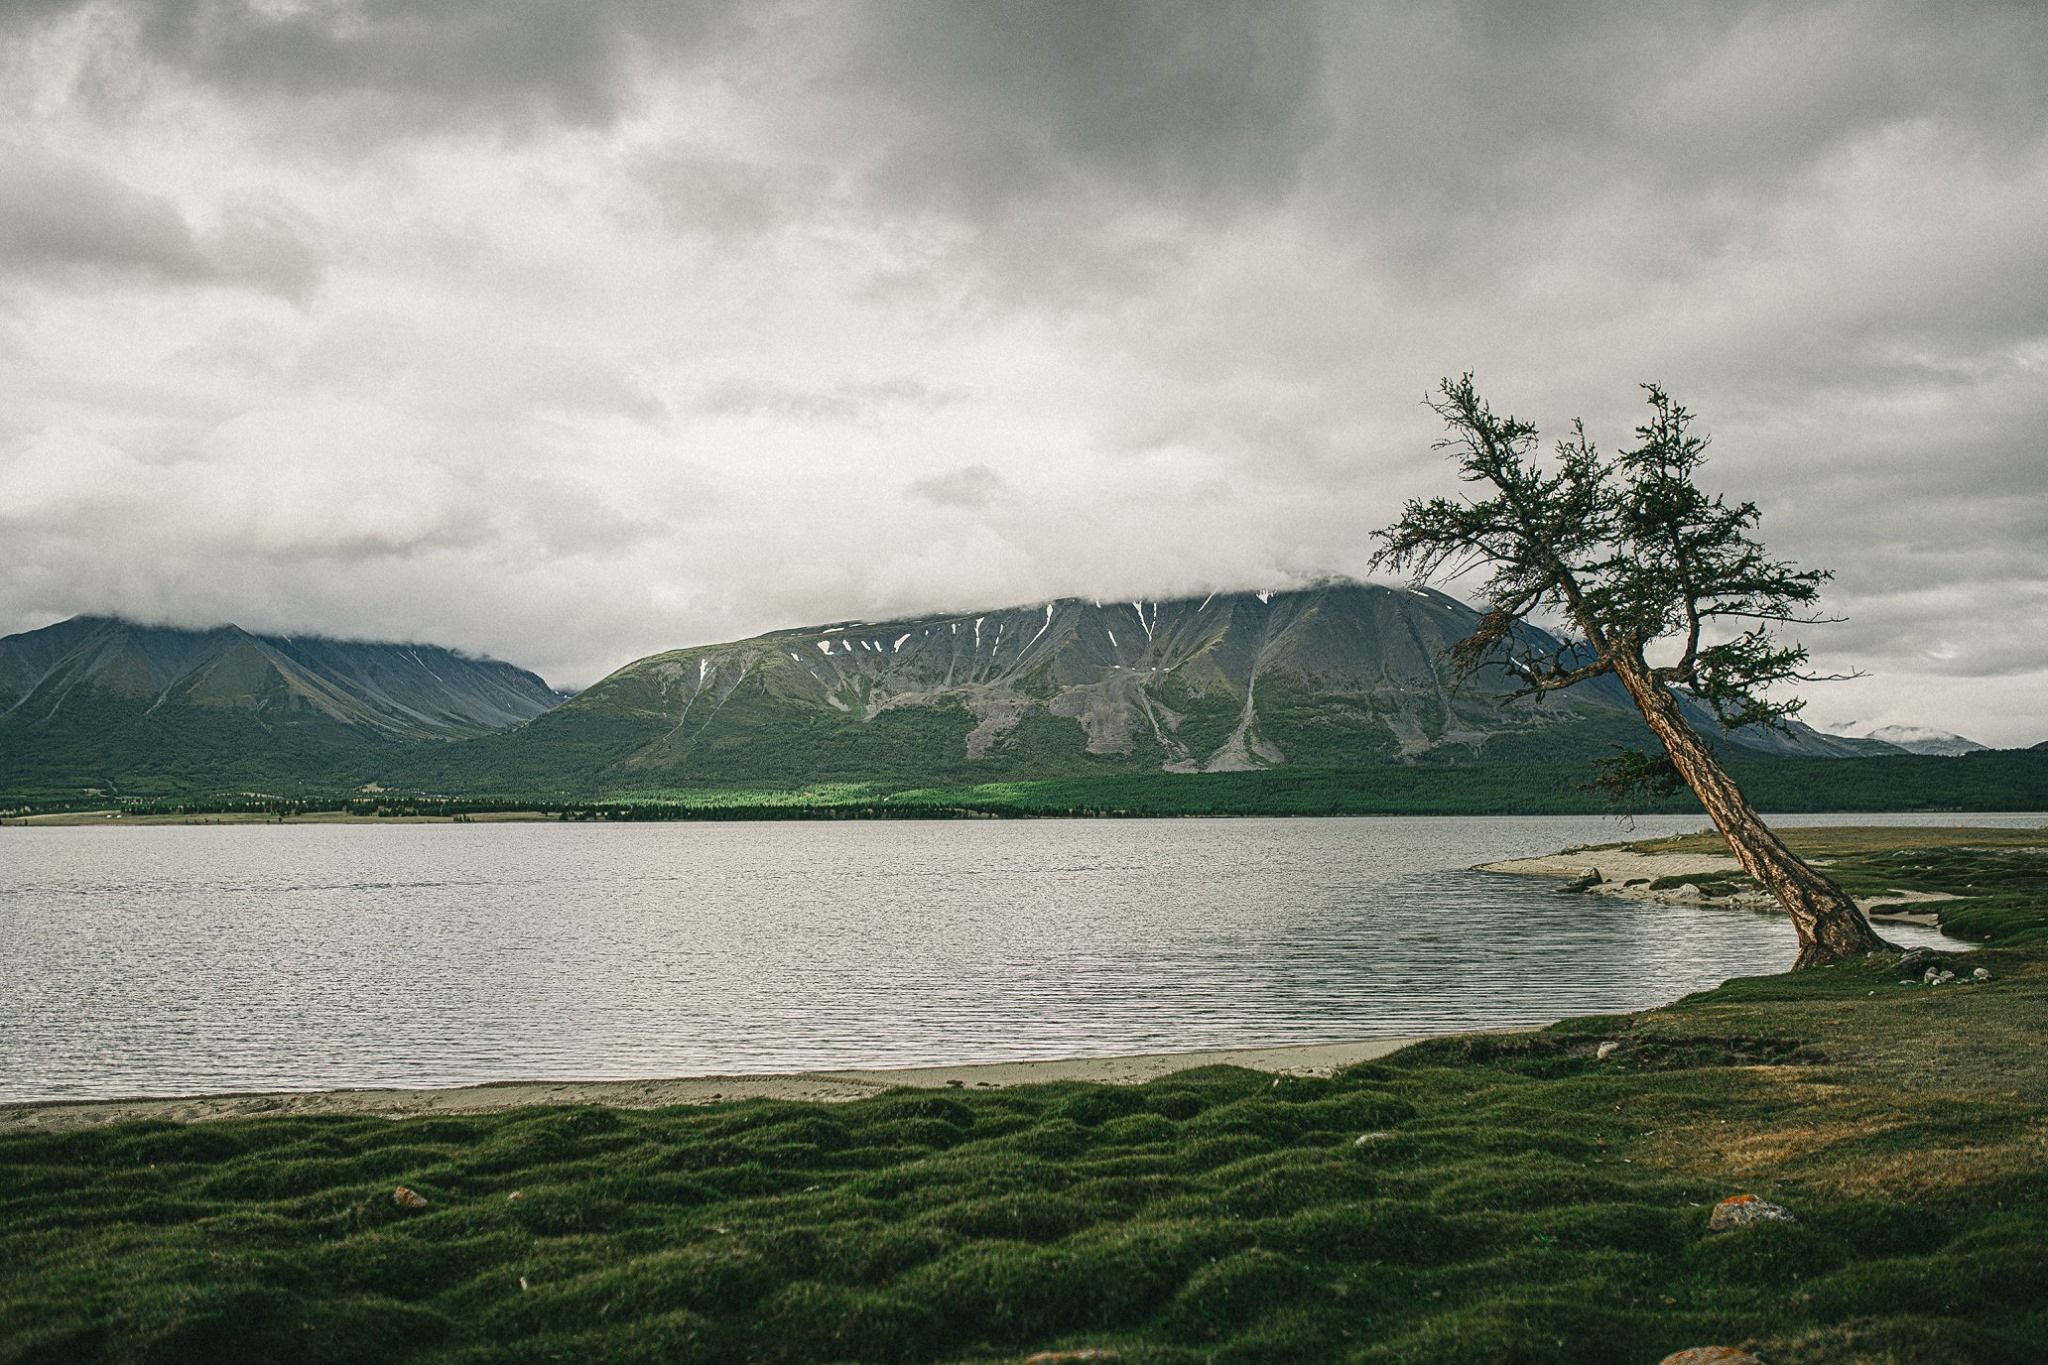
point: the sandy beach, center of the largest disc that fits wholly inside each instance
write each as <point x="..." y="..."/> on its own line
<point x="1312" y="1059"/>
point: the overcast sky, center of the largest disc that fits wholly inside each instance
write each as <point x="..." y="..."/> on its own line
<point x="569" y="333"/>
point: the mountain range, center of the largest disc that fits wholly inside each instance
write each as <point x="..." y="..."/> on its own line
<point x="1343" y="675"/>
<point x="97" y="702"/>
<point x="1338" y="676"/>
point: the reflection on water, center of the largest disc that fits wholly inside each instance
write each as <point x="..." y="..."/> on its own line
<point x="188" y="959"/>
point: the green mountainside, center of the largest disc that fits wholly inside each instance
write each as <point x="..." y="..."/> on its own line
<point x="1343" y="676"/>
<point x="106" y="704"/>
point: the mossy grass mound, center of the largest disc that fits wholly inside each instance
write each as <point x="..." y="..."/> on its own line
<point x="1515" y="1197"/>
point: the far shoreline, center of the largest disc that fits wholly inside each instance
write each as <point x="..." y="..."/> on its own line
<point x="82" y="819"/>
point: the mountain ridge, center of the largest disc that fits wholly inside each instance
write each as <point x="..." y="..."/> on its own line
<point x="369" y="682"/>
<point x="1334" y="676"/>
<point x="1338" y="675"/>
<point x="102" y="703"/>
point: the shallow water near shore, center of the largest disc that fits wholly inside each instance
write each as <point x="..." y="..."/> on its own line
<point x="184" y="960"/>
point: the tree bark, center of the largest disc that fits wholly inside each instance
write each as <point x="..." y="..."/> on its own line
<point x="1829" y="925"/>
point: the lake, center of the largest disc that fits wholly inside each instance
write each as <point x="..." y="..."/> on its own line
<point x="188" y="959"/>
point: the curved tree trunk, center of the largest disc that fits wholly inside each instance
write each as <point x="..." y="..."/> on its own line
<point x="1829" y="925"/>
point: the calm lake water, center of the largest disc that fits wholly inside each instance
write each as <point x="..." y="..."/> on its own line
<point x="178" y="960"/>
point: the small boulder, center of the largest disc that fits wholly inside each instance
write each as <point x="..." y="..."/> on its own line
<point x="1606" y="1050"/>
<point x="1981" y="974"/>
<point x="1916" y="962"/>
<point x="407" y="1197"/>
<point x="1741" y="1209"/>
<point x="1932" y="976"/>
<point x="1585" y="881"/>
<point x="1710" y="1355"/>
<point x="1368" y="1139"/>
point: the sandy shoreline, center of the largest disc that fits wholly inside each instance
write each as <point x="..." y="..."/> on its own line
<point x="1628" y="874"/>
<point x="1310" y="1059"/>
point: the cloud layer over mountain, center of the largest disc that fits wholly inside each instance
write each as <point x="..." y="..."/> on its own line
<point x="569" y="332"/>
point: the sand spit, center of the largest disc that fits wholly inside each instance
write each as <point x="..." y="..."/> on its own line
<point x="1313" y="1059"/>
<point x="1626" y="873"/>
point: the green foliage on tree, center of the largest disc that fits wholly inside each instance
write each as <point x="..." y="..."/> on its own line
<point x="1658" y="584"/>
<point x="1633" y="561"/>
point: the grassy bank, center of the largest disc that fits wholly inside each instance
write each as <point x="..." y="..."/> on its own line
<point x="1507" y="1198"/>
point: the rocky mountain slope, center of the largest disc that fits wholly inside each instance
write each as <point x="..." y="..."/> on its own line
<point x="1338" y="676"/>
<point x="99" y="701"/>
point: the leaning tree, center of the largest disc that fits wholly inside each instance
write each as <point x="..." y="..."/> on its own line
<point x="1656" y="584"/>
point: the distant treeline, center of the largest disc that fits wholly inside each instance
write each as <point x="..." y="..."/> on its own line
<point x="1997" y="780"/>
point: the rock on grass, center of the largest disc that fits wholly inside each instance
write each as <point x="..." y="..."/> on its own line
<point x="1740" y="1209"/>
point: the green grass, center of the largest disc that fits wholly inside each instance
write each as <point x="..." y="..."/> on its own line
<point x="1519" y="1200"/>
<point x="1989" y="781"/>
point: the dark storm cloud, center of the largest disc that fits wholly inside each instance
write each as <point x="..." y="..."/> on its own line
<point x="1473" y="124"/>
<point x="1052" y="154"/>
<point x="390" y="67"/>
<point x="56" y="214"/>
<point x="1000" y="106"/>
<point x="67" y="217"/>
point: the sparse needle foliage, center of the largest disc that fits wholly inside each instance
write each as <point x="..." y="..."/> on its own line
<point x="1652" y="581"/>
